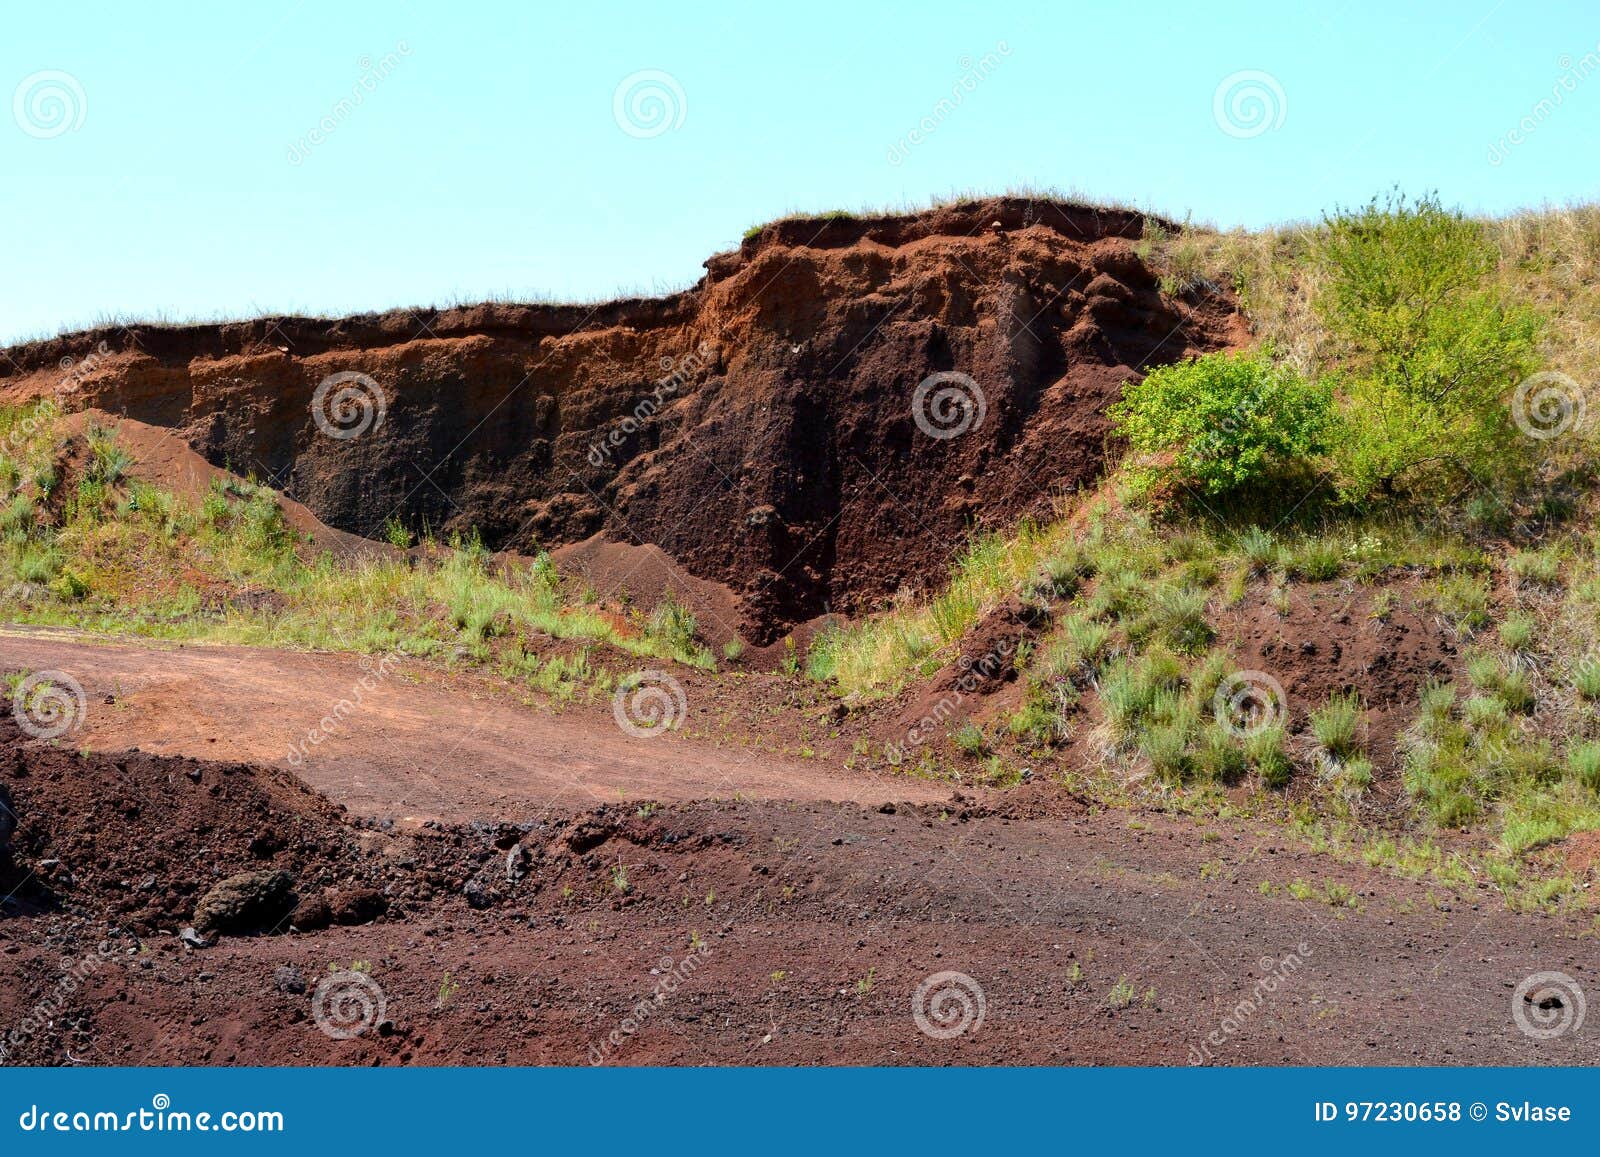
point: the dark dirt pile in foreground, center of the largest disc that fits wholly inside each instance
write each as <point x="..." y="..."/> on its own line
<point x="734" y="933"/>
<point x="759" y="428"/>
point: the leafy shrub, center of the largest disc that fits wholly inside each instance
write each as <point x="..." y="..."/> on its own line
<point x="396" y="534"/>
<point x="1430" y="347"/>
<point x="1222" y="421"/>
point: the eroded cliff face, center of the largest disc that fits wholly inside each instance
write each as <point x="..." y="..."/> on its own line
<point x="769" y="429"/>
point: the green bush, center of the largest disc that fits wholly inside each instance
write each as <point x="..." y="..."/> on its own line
<point x="969" y="738"/>
<point x="1222" y="421"/>
<point x="1337" y="723"/>
<point x="1517" y="630"/>
<point x="1430" y="349"/>
<point x="1583" y="761"/>
<point x="1266" y="753"/>
<point x="1540" y="567"/>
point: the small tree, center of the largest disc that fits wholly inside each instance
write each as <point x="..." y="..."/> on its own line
<point x="1222" y="421"/>
<point x="1430" y="349"/>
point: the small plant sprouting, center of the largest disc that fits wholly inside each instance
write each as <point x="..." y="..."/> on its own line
<point x="448" y="987"/>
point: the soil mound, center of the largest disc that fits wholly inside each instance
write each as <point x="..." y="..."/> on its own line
<point x="140" y="839"/>
<point x="773" y="429"/>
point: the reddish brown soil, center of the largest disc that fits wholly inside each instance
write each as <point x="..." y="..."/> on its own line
<point x="810" y="928"/>
<point x="780" y="458"/>
<point x="1330" y="643"/>
<point x="419" y="743"/>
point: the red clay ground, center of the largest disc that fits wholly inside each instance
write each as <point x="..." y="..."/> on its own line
<point x="797" y="931"/>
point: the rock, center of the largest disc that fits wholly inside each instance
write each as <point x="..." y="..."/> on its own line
<point x="194" y="940"/>
<point x="248" y="902"/>
<point x="313" y="914"/>
<point x="357" y="905"/>
<point x="516" y="863"/>
<point x="265" y="845"/>
<point x="477" y="895"/>
<point x="586" y="834"/>
<point x="287" y="978"/>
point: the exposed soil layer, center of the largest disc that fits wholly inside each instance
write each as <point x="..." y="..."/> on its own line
<point x="750" y="933"/>
<point x="1327" y="639"/>
<point x="761" y="429"/>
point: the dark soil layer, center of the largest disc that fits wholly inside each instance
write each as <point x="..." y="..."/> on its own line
<point x="765" y="933"/>
<point x="758" y="428"/>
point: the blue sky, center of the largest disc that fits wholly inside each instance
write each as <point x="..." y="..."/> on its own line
<point x="178" y="176"/>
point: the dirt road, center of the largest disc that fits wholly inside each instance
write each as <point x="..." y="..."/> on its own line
<point x="407" y="741"/>
<point x="1025" y="928"/>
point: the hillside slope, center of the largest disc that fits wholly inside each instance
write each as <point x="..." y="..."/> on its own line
<point x="763" y="428"/>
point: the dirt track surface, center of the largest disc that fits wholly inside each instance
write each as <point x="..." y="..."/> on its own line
<point x="819" y="924"/>
<point x="417" y="745"/>
<point x="1025" y="928"/>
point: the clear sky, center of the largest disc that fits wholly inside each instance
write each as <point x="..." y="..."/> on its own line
<point x="195" y="160"/>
